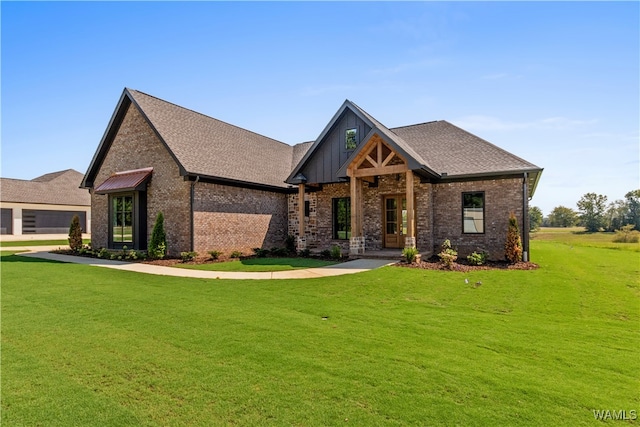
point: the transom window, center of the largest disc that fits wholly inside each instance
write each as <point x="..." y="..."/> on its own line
<point x="473" y="212"/>
<point x="342" y="218"/>
<point x="122" y="219"/>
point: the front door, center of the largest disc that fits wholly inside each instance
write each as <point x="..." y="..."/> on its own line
<point x="395" y="221"/>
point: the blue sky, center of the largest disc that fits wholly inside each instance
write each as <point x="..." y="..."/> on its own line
<point x="556" y="83"/>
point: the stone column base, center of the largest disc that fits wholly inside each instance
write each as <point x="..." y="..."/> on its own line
<point x="356" y="245"/>
<point x="301" y="243"/>
<point x="409" y="242"/>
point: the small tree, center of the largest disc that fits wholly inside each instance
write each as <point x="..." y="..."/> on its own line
<point x="75" y="234"/>
<point x="535" y="218"/>
<point x="513" y="245"/>
<point x="592" y="208"/>
<point x="158" y="243"/>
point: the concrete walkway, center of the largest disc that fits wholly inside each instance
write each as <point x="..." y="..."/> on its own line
<point x="349" y="267"/>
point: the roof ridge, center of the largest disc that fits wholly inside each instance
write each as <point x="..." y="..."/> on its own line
<point x="416" y="124"/>
<point x="207" y="116"/>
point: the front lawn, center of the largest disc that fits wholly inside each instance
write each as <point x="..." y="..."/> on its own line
<point x="260" y="264"/>
<point x="86" y="345"/>
<point x="61" y="243"/>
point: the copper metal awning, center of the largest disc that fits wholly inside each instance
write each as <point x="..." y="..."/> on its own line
<point x="133" y="180"/>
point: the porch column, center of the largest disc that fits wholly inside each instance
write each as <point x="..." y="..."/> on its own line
<point x="410" y="238"/>
<point x="302" y="241"/>
<point x="356" y="243"/>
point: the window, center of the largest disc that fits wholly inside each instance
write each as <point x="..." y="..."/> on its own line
<point x="351" y="138"/>
<point x="307" y="208"/>
<point x="473" y="212"/>
<point x="122" y="219"/>
<point x="342" y="218"/>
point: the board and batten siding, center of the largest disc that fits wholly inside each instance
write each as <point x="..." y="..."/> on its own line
<point x="331" y="154"/>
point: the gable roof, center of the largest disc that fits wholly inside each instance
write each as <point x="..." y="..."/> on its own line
<point x="203" y="146"/>
<point x="56" y="188"/>
<point x="210" y="148"/>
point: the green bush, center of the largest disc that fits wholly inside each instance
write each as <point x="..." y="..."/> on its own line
<point x="627" y="234"/>
<point x="305" y="253"/>
<point x="236" y="254"/>
<point x="214" y="254"/>
<point x="448" y="255"/>
<point x="259" y="252"/>
<point x="279" y="252"/>
<point x="104" y="253"/>
<point x="513" y="245"/>
<point x="410" y="254"/>
<point x="326" y="253"/>
<point x="158" y="243"/>
<point x="477" y="258"/>
<point x="75" y="234"/>
<point x="336" y="252"/>
<point x="188" y="256"/>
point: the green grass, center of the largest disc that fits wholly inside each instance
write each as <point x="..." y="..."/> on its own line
<point x="84" y="345"/>
<point x="576" y="236"/>
<point x="260" y="264"/>
<point x="39" y="243"/>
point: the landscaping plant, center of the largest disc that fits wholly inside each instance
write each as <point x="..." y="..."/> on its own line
<point x="158" y="243"/>
<point x="513" y="245"/>
<point x="410" y="254"/>
<point x="448" y="255"/>
<point x="75" y="234"/>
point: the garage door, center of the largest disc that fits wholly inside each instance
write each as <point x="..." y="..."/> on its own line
<point x="50" y="222"/>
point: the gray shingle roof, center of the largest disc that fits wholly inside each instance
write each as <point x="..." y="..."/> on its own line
<point x="210" y="147"/>
<point x="454" y="151"/>
<point x="56" y="188"/>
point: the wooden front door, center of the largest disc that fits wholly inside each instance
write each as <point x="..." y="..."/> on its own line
<point x="395" y="221"/>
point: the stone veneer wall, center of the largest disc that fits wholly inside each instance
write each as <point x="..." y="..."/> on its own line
<point x="230" y="218"/>
<point x="136" y="146"/>
<point x="319" y="223"/>
<point x="501" y="197"/>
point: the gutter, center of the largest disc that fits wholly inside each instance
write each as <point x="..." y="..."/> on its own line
<point x="525" y="218"/>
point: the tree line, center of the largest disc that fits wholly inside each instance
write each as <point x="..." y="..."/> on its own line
<point x="593" y="213"/>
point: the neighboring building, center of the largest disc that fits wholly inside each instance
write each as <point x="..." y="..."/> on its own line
<point x="44" y="205"/>
<point x="359" y="185"/>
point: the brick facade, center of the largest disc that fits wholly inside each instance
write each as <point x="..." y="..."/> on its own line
<point x="438" y="214"/>
<point x="137" y="146"/>
<point x="238" y="219"/>
<point x="501" y="197"/>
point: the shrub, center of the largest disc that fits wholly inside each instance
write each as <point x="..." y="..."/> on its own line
<point x="104" y="253"/>
<point x="326" y="253"/>
<point x="448" y="255"/>
<point x="627" y="234"/>
<point x="214" y="254"/>
<point x="236" y="254"/>
<point x="158" y="243"/>
<point x="259" y="252"/>
<point x="336" y="252"/>
<point x="280" y="252"/>
<point x="477" y="258"/>
<point x="410" y="254"/>
<point x="75" y="234"/>
<point x="291" y="244"/>
<point x="188" y="256"/>
<point x="305" y="253"/>
<point x="513" y="245"/>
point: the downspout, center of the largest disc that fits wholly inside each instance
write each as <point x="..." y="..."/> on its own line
<point x="525" y="219"/>
<point x="192" y="199"/>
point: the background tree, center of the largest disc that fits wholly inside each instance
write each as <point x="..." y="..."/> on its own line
<point x="562" y="216"/>
<point x="513" y="245"/>
<point x="592" y="209"/>
<point x="632" y="199"/>
<point x="535" y="218"/>
<point x="615" y="216"/>
<point x="75" y="234"/>
<point x="158" y="244"/>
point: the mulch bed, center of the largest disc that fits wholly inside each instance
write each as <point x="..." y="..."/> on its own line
<point x="434" y="263"/>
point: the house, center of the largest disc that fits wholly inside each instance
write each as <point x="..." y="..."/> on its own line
<point x="43" y="205"/>
<point x="359" y="185"/>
